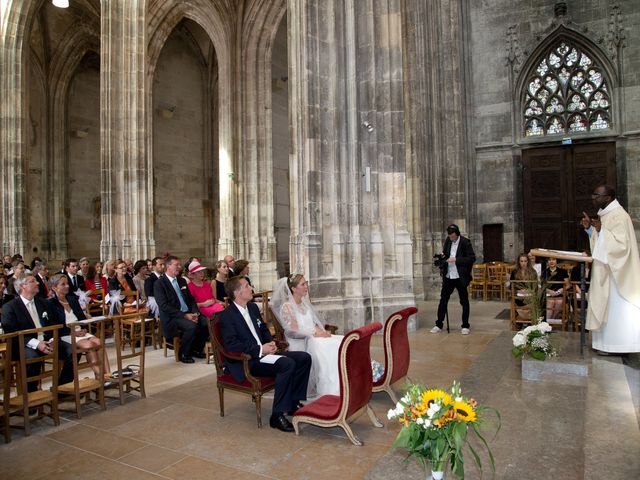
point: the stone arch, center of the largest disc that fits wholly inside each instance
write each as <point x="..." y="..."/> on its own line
<point x="15" y="27"/>
<point x="218" y="21"/>
<point x="260" y="24"/>
<point x="600" y="58"/>
<point x="71" y="50"/>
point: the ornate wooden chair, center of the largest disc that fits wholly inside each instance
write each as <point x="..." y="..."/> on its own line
<point x="25" y="400"/>
<point x="356" y="382"/>
<point x="253" y="386"/>
<point x="397" y="353"/>
<point x="80" y="388"/>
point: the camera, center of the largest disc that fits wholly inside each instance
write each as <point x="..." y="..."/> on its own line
<point x="440" y="261"/>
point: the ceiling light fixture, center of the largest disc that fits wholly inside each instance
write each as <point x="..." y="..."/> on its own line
<point x="60" y="3"/>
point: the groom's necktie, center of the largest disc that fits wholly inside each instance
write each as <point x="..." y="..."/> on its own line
<point x="183" y="304"/>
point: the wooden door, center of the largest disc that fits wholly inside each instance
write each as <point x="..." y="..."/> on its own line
<point x="557" y="184"/>
<point x="492" y="245"/>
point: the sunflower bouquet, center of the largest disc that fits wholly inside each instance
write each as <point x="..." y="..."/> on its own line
<point x="435" y="426"/>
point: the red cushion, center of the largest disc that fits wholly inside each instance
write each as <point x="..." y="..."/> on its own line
<point x="326" y="407"/>
<point x="229" y="380"/>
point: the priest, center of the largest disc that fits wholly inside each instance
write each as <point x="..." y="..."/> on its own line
<point x="613" y="315"/>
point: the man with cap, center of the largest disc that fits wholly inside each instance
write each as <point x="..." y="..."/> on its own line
<point x="456" y="275"/>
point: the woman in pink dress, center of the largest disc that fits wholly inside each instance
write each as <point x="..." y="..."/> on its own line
<point x="202" y="291"/>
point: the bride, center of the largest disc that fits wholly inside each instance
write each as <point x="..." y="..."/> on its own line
<point x="304" y="332"/>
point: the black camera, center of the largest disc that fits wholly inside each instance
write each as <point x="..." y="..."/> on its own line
<point x="440" y="261"/>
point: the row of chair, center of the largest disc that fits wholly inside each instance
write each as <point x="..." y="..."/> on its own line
<point x="520" y="315"/>
<point x="15" y="396"/>
<point x="356" y="381"/>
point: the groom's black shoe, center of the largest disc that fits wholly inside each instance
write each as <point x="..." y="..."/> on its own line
<point x="297" y="406"/>
<point x="280" y="422"/>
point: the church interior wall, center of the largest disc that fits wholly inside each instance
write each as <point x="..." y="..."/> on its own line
<point x="179" y="148"/>
<point x="83" y="140"/>
<point x="496" y="125"/>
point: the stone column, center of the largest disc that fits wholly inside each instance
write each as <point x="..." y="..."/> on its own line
<point x="127" y="179"/>
<point x="348" y="168"/>
<point x="439" y="158"/>
<point x="15" y="21"/>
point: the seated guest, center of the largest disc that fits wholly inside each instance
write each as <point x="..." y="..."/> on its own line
<point x="203" y="291"/>
<point x="522" y="271"/>
<point x="140" y="275"/>
<point x="26" y="312"/>
<point x="95" y="281"/>
<point x="7" y="264"/>
<point x="179" y="313"/>
<point x="4" y="296"/>
<point x="76" y="281"/>
<point x="17" y="270"/>
<point x="83" y="265"/>
<point x="65" y="308"/>
<point x="122" y="282"/>
<point x="536" y="266"/>
<point x="40" y="272"/>
<point x="554" y="290"/>
<point x="157" y="269"/>
<point x="242" y="268"/>
<point x="129" y="263"/>
<point x="186" y="268"/>
<point x="231" y="263"/>
<point x="244" y="331"/>
<point x="109" y="269"/>
<point x="222" y="272"/>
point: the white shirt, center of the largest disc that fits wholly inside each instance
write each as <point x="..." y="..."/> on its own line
<point x="247" y="318"/>
<point x="34" y="342"/>
<point x="452" y="270"/>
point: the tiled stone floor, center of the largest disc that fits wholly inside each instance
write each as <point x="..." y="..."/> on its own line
<point x="550" y="429"/>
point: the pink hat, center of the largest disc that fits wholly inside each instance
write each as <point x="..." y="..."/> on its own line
<point x="196" y="267"/>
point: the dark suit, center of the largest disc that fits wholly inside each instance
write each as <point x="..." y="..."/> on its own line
<point x="57" y="315"/>
<point x="465" y="257"/>
<point x="80" y="283"/>
<point x="149" y="284"/>
<point x="193" y="336"/>
<point x="42" y="293"/>
<point x="291" y="371"/>
<point x="16" y="317"/>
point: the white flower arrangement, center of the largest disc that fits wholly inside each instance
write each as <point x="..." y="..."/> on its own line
<point x="534" y="340"/>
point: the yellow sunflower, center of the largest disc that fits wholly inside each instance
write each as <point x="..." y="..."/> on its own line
<point x="465" y="411"/>
<point x="434" y="394"/>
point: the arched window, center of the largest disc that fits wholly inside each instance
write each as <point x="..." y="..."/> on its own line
<point x="566" y="93"/>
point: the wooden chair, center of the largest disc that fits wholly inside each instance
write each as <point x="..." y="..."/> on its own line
<point x="130" y="325"/>
<point x="356" y="382"/>
<point x="397" y="353"/>
<point x="561" y="322"/>
<point x="478" y="283"/>
<point x="97" y="307"/>
<point x="80" y="388"/>
<point x="575" y="300"/>
<point x="176" y="347"/>
<point x="519" y="314"/>
<point x="256" y="387"/>
<point x="496" y="278"/>
<point x="26" y="400"/>
<point x="134" y="382"/>
<point x="6" y="377"/>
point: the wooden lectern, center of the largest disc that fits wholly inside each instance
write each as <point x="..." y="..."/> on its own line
<point x="581" y="259"/>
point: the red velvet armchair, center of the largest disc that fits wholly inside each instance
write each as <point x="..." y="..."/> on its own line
<point x="253" y="386"/>
<point x="397" y="354"/>
<point x="354" y="366"/>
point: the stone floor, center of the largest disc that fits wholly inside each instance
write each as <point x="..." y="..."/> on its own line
<point x="553" y="428"/>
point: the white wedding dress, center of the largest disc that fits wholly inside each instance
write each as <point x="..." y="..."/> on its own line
<point x="324" y="378"/>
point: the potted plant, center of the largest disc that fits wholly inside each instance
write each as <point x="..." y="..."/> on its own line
<point x="435" y="425"/>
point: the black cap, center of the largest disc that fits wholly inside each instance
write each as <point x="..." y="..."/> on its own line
<point x="453" y="228"/>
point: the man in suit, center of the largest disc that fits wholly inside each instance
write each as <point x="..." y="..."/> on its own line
<point x="179" y="312"/>
<point x="76" y="281"/>
<point x="231" y="263"/>
<point x="456" y="275"/>
<point x="244" y="331"/>
<point x="158" y="269"/>
<point x="26" y="312"/>
<point x="41" y="273"/>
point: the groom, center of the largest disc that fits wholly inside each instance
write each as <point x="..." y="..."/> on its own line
<point x="244" y="331"/>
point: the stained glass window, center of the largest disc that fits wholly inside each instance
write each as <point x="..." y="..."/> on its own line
<point x="566" y="94"/>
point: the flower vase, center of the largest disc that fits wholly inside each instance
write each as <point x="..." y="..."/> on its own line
<point x="436" y="475"/>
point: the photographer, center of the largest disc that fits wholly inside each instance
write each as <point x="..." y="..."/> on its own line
<point x="455" y="267"/>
